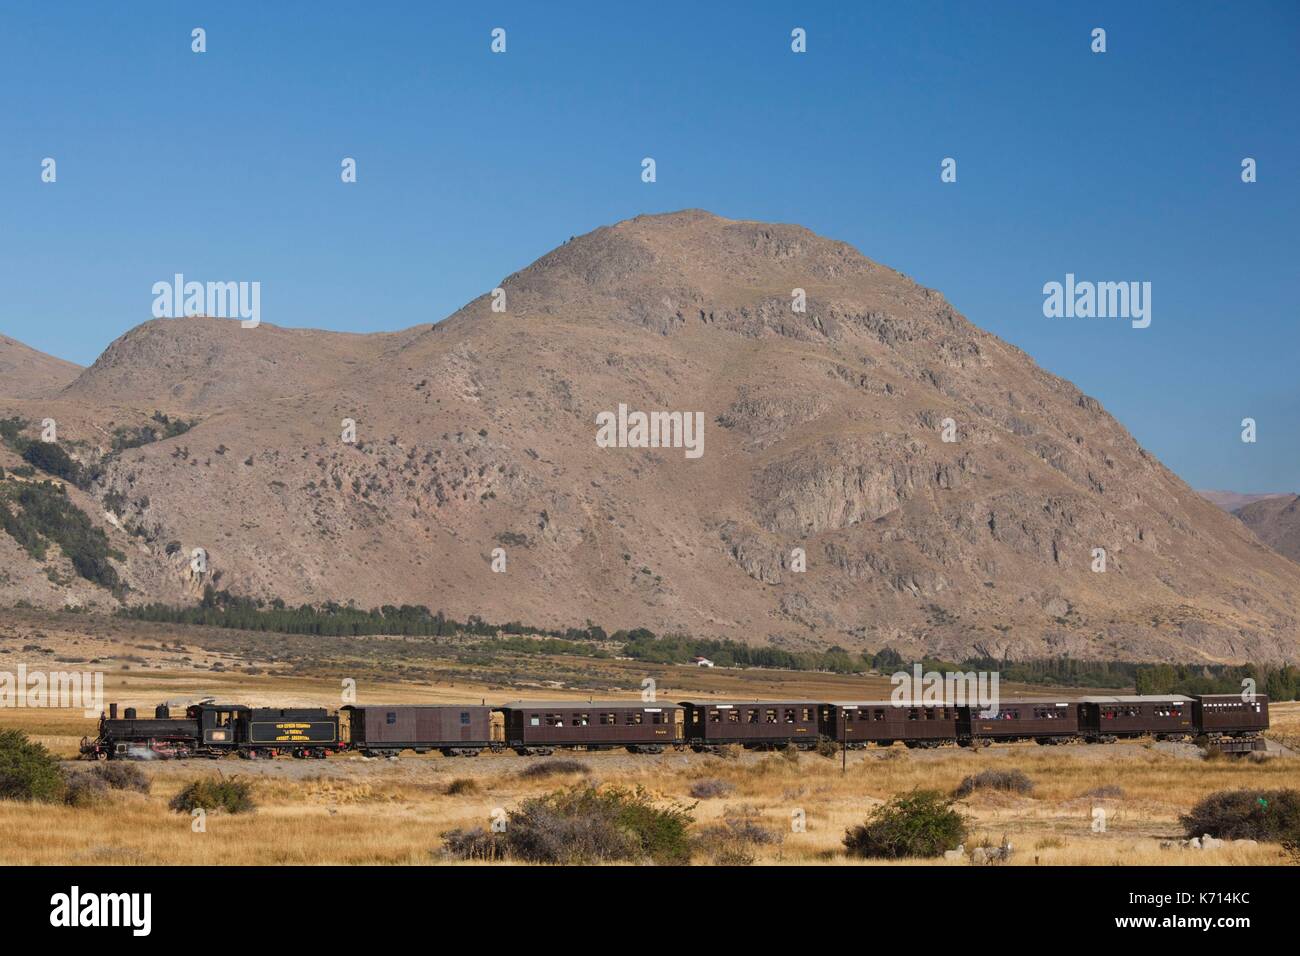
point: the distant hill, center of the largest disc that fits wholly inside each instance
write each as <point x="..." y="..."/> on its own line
<point x="27" y="373"/>
<point x="1232" y="500"/>
<point x="1276" y="521"/>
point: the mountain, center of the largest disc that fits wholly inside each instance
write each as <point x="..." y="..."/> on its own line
<point x="27" y="373"/>
<point x="1276" y="522"/>
<point x="1232" y="500"/>
<point x="823" y="430"/>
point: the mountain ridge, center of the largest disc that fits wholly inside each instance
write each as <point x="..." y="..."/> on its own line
<point x="825" y="432"/>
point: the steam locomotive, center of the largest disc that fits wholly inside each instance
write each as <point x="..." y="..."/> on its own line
<point x="211" y="729"/>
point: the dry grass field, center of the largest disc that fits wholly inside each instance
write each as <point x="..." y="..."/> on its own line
<point x="352" y="810"/>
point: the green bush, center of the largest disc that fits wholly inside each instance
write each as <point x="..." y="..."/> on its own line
<point x="922" y="823"/>
<point x="1269" y="815"/>
<point x="214" y="793"/>
<point x="28" y="771"/>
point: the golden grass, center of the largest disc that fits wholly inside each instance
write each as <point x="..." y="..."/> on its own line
<point x="347" y="810"/>
<point x="352" y="811"/>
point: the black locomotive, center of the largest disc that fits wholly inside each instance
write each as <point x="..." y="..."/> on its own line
<point x="211" y="729"/>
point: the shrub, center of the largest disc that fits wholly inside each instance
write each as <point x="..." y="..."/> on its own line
<point x="27" y="770"/>
<point x="709" y="788"/>
<point x="121" y="775"/>
<point x="462" y="785"/>
<point x="1270" y="815"/>
<point x="827" y="747"/>
<point x="214" y="793"/>
<point x="733" y="841"/>
<point x="583" y="824"/>
<point x="551" y="768"/>
<point x="473" y="843"/>
<point x="1009" y="781"/>
<point x="922" y="823"/>
<point x="84" y="789"/>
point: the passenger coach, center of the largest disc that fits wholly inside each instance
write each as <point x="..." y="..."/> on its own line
<point x="881" y="722"/>
<point x="538" y="727"/>
<point x="1106" y="719"/>
<point x="760" y="724"/>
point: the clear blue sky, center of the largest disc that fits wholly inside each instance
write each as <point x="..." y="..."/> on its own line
<point x="1121" y="166"/>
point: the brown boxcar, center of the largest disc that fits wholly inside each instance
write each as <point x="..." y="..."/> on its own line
<point x="542" y="726"/>
<point x="388" y="729"/>
<point x="858" y="723"/>
<point x="1104" y="719"/>
<point x="753" y="723"/>
<point x="1229" y="715"/>
<point x="1045" y="721"/>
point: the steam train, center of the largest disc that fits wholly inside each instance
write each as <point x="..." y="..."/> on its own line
<point x="210" y="729"/>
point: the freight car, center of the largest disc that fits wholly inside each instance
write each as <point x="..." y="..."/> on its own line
<point x="755" y="724"/>
<point x="457" y="730"/>
<point x="539" y="727"/>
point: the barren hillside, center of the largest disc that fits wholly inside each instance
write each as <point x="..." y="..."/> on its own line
<point x="823" y="431"/>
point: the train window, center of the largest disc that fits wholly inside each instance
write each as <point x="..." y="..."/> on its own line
<point x="534" y="721"/>
<point x="554" y="720"/>
<point x="789" y="715"/>
<point x="464" y="718"/>
<point x="581" y="720"/>
<point x="657" y="718"/>
<point x="848" y="716"/>
<point x="607" y="719"/>
<point x="733" y="716"/>
<point x="880" y="715"/>
<point x="390" y="718"/>
<point x="715" y="716"/>
<point x="807" y="713"/>
<point x="751" y="716"/>
<point x="770" y="716"/>
<point x="913" y="714"/>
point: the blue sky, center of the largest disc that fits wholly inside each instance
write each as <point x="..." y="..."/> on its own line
<point x="1119" y="166"/>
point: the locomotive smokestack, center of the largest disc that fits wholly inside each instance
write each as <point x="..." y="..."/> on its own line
<point x="161" y="712"/>
<point x="112" y="711"/>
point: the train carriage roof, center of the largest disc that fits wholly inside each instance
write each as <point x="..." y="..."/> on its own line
<point x="586" y="705"/>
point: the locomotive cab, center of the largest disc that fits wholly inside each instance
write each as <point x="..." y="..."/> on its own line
<point x="218" y="723"/>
